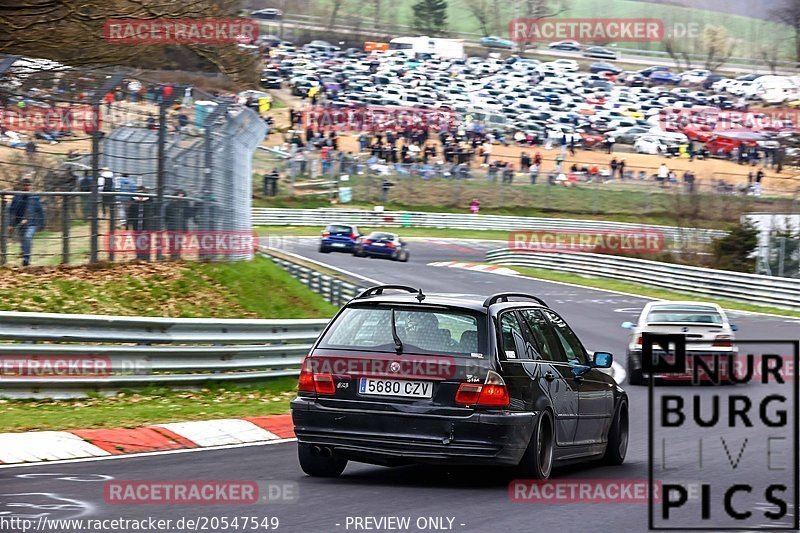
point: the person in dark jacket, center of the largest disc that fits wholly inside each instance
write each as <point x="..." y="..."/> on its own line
<point x="25" y="217"/>
<point x="141" y="218"/>
<point x="177" y="214"/>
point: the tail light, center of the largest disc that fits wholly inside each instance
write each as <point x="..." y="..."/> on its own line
<point x="313" y="382"/>
<point x="722" y="341"/>
<point x="493" y="392"/>
<point x="367" y="241"/>
<point x="353" y="236"/>
<point x="326" y="233"/>
<point x="390" y="245"/>
<point x="639" y="340"/>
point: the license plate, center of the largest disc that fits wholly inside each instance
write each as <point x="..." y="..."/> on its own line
<point x="396" y="387"/>
<point x="378" y="244"/>
<point x="338" y="245"/>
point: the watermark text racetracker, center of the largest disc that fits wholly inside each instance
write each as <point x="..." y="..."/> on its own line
<point x="377" y="118"/>
<point x="593" y="30"/>
<point x="198" y="242"/>
<point x="179" y="31"/>
<point x="587" y="241"/>
<point x="55" y="118"/>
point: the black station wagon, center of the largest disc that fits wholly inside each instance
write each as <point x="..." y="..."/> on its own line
<point x="403" y="377"/>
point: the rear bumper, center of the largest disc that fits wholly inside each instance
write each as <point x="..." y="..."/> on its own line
<point x="490" y="438"/>
<point x="340" y="246"/>
<point x="380" y="252"/>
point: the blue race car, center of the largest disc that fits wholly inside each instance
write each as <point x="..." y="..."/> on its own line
<point x="338" y="238"/>
<point x="382" y="244"/>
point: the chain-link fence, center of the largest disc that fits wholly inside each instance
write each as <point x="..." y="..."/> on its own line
<point x="120" y="165"/>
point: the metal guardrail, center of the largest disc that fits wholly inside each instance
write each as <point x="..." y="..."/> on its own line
<point x="755" y="289"/>
<point x="125" y="352"/>
<point x="335" y="290"/>
<point x="674" y="236"/>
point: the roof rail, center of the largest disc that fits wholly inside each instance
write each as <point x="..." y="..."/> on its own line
<point x="378" y="289"/>
<point x="504" y="296"/>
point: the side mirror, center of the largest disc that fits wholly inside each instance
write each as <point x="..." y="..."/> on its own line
<point x="627" y="325"/>
<point x="734" y="327"/>
<point x="602" y="359"/>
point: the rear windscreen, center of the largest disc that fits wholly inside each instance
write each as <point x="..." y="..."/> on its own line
<point x="421" y="331"/>
<point x="700" y="317"/>
<point x="339" y="229"/>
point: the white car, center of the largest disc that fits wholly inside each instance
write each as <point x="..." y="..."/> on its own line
<point x="695" y="76"/>
<point x="650" y="144"/>
<point x="565" y="65"/>
<point x="705" y="326"/>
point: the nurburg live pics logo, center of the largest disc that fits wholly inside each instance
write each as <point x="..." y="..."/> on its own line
<point x="748" y="434"/>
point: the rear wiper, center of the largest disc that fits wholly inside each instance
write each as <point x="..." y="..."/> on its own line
<point x="398" y="344"/>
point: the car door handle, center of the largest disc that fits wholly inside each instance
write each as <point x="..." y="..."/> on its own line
<point x="549" y="376"/>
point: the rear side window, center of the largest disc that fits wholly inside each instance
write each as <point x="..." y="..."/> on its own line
<point x="422" y="331"/>
<point x="569" y="341"/>
<point x="544" y="335"/>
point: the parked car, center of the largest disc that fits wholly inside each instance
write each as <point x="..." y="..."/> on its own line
<point x="650" y="144"/>
<point x="408" y="377"/>
<point x="705" y="326"/>
<point x="267" y="14"/>
<point x="271" y="79"/>
<point x="602" y="66"/>
<point x="598" y="52"/>
<point x="339" y="238"/>
<point x="493" y="41"/>
<point x="382" y="244"/>
<point x="662" y="77"/>
<point x="566" y="46"/>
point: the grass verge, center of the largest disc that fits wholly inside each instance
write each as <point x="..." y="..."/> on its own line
<point x="255" y="289"/>
<point x="148" y="406"/>
<point x="644" y="290"/>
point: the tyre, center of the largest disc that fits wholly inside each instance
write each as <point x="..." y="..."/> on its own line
<point x="635" y="375"/>
<point x="618" y="437"/>
<point x="324" y="250"/>
<point x="315" y="464"/>
<point x="357" y="253"/>
<point x="405" y="257"/>
<point x="537" y="462"/>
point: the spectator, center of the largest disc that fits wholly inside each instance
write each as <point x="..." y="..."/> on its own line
<point x="621" y="167"/>
<point x="25" y="216"/>
<point x="142" y="220"/>
<point x="614" y="165"/>
<point x="663" y="174"/>
<point x="525" y="162"/>
<point x="474" y="206"/>
<point x="534" y="173"/>
<point x="610" y="140"/>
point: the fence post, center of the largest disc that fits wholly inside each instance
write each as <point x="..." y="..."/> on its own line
<point x="94" y="211"/>
<point x="65" y="223"/>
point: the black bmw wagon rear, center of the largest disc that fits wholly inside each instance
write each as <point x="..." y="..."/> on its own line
<point x="404" y="377"/>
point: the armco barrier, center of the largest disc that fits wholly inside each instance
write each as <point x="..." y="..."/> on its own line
<point x="750" y="288"/>
<point x="676" y="237"/>
<point x="142" y="351"/>
<point x="335" y="290"/>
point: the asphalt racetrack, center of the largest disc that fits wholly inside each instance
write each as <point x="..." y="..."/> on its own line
<point x="463" y="499"/>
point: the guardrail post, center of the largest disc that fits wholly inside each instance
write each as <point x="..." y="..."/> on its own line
<point x="65" y="227"/>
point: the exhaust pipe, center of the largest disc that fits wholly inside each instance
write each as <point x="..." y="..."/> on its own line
<point x="316" y="450"/>
<point x="326" y="452"/>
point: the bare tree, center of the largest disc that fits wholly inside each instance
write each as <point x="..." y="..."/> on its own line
<point x="482" y="11"/>
<point x="72" y="31"/>
<point x="789" y="14"/>
<point x="714" y="45"/>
